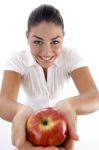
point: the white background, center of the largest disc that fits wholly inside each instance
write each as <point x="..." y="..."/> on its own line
<point x="81" y="18"/>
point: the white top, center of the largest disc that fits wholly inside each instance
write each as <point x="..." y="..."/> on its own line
<point x="39" y="92"/>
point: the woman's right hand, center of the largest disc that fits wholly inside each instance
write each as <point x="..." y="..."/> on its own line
<point x="19" y="126"/>
<point x="19" y="131"/>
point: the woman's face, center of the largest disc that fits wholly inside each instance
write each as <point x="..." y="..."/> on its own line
<point x="45" y="42"/>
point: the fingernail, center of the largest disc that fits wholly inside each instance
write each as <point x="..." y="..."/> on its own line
<point x="18" y="142"/>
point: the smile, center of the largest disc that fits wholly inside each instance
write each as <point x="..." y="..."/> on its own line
<point x="46" y="59"/>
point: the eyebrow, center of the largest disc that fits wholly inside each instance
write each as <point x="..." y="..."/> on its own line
<point x="43" y="39"/>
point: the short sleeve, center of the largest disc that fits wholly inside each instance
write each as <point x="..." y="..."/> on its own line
<point x="14" y="63"/>
<point x="74" y="60"/>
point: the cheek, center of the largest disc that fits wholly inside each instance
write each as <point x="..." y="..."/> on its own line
<point x="34" y="50"/>
<point x="58" y="51"/>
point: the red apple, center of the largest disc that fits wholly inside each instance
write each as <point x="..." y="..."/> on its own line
<point x="47" y="127"/>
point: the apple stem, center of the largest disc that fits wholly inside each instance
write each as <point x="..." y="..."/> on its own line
<point x="44" y="122"/>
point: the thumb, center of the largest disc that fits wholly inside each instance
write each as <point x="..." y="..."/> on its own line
<point x="18" y="131"/>
<point x="19" y="127"/>
<point x="72" y="124"/>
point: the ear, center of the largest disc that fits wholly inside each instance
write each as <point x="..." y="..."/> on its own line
<point x="27" y="34"/>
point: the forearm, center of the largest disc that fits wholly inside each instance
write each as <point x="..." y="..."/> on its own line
<point x="85" y="103"/>
<point x="8" y="108"/>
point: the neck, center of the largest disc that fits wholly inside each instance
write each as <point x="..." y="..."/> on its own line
<point x="45" y="73"/>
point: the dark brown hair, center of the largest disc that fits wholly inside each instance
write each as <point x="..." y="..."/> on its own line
<point x="46" y="13"/>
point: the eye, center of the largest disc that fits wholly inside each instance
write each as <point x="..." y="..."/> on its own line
<point x="54" y="42"/>
<point x="38" y="42"/>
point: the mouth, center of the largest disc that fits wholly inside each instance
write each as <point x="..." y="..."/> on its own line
<point x="47" y="59"/>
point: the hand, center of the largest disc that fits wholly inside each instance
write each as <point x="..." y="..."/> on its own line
<point x="70" y="113"/>
<point x="19" y="126"/>
<point x="19" y="131"/>
<point x="28" y="146"/>
<point x="68" y="144"/>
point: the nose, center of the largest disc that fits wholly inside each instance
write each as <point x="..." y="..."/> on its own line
<point x="46" y="50"/>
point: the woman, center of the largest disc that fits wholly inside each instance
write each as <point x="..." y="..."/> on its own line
<point x="43" y="71"/>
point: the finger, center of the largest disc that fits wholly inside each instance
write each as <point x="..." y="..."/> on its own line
<point x="18" y="131"/>
<point x="51" y="148"/>
<point x="19" y="126"/>
<point x="71" y="118"/>
<point x="69" y="144"/>
<point x="28" y="146"/>
<point x="72" y="124"/>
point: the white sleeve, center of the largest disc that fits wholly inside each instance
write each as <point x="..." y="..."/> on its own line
<point x="14" y="63"/>
<point x="74" y="60"/>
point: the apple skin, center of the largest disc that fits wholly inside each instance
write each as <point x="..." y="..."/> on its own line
<point x="47" y="127"/>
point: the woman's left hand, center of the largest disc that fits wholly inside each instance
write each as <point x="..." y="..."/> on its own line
<point x="68" y="144"/>
<point x="66" y="107"/>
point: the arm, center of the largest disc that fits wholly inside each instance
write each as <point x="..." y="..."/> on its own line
<point x="15" y="112"/>
<point x="86" y="102"/>
<point x="88" y="99"/>
<point x="8" y="95"/>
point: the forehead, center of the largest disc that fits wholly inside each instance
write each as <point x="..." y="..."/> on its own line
<point x="46" y="29"/>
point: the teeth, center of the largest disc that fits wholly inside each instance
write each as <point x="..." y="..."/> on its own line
<point x="47" y="58"/>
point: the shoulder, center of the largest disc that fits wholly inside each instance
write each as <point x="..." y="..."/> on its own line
<point x="68" y="51"/>
<point x="15" y="62"/>
<point x="24" y="57"/>
<point x="72" y="54"/>
<point x="72" y="59"/>
<point x="16" y="56"/>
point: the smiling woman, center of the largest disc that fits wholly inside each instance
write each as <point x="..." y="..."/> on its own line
<point x="45" y="44"/>
<point x="43" y="71"/>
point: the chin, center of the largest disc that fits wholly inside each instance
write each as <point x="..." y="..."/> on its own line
<point x="47" y="66"/>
